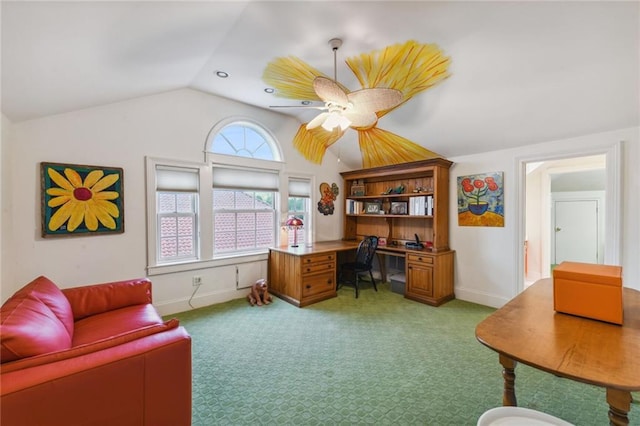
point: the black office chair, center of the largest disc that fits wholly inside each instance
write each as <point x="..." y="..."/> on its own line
<point x="363" y="263"/>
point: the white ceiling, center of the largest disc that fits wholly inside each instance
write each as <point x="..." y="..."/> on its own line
<point x="521" y="72"/>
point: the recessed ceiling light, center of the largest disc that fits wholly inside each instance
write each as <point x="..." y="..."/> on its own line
<point x="269" y="89"/>
<point x="222" y="74"/>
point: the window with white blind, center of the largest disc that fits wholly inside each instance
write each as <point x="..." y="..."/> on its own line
<point x="299" y="205"/>
<point x="177" y="213"/>
<point x="244" y="209"/>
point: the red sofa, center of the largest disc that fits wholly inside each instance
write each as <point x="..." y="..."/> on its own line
<point x="94" y="355"/>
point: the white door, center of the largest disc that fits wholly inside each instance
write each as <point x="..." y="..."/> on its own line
<point x="576" y="231"/>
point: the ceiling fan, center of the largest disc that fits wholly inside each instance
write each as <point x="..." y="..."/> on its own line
<point x="349" y="109"/>
<point x="389" y="78"/>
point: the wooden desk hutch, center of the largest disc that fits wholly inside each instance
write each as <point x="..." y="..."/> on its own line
<point x="371" y="209"/>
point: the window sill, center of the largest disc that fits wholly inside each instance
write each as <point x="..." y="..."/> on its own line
<point x="223" y="260"/>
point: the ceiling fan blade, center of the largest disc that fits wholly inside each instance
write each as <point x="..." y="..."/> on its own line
<point x="317" y="121"/>
<point x="360" y="118"/>
<point x="329" y="91"/>
<point x="375" y="99"/>
<point x="291" y="77"/>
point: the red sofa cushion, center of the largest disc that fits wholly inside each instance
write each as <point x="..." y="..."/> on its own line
<point x="114" y="323"/>
<point x="37" y="319"/>
<point x="95" y="299"/>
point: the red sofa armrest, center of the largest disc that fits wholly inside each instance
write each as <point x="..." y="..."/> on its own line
<point x="88" y="348"/>
<point x="98" y="298"/>
<point x="144" y="382"/>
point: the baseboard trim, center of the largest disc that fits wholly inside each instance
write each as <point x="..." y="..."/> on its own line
<point x="199" y="301"/>
<point x="479" y="297"/>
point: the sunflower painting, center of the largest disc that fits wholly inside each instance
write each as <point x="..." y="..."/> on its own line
<point x="81" y="200"/>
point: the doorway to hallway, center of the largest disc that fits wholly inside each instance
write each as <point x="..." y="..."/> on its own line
<point x="564" y="213"/>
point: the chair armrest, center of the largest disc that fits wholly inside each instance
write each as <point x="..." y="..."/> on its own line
<point x="98" y="298"/>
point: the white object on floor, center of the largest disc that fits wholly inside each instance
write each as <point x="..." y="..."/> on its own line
<point x="518" y="416"/>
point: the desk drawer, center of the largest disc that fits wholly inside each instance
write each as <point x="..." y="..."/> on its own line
<point x="320" y="283"/>
<point x="318" y="267"/>
<point x="421" y="258"/>
<point x="319" y="258"/>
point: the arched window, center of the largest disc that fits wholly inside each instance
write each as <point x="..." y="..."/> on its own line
<point x="243" y="138"/>
<point x="245" y="186"/>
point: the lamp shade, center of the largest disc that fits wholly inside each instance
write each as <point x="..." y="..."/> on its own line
<point x="294" y="221"/>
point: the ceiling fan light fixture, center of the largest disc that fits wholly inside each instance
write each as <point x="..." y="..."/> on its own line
<point x="335" y="119"/>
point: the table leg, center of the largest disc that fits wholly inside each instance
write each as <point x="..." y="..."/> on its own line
<point x="619" y="405"/>
<point x="509" y="375"/>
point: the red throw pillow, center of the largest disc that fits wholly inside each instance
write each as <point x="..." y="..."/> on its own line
<point x="35" y="320"/>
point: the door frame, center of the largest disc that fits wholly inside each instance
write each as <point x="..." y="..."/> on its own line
<point x="613" y="205"/>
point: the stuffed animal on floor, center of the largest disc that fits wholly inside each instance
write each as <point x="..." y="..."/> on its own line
<point x="259" y="294"/>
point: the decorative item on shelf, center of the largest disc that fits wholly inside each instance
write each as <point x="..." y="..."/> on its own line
<point x="382" y="241"/>
<point x="397" y="190"/>
<point x="421" y="189"/>
<point x="357" y="189"/>
<point x="372" y="208"/>
<point x="294" y="224"/>
<point x="398" y="207"/>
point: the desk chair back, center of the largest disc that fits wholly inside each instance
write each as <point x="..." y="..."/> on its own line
<point x="366" y="252"/>
<point x="363" y="262"/>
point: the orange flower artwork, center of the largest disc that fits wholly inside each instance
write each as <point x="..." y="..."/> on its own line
<point x="480" y="200"/>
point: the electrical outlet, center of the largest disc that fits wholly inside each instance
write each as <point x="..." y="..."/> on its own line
<point x="196" y="280"/>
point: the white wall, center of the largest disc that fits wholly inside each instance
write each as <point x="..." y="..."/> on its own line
<point x="486" y="264"/>
<point x="5" y="195"/>
<point x="170" y="125"/>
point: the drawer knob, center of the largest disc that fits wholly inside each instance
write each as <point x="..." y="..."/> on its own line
<point x="308" y="286"/>
<point x="308" y="269"/>
<point x="330" y="257"/>
<point x="329" y="266"/>
<point x="329" y="281"/>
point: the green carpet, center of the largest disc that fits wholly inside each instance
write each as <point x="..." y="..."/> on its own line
<point x="380" y="359"/>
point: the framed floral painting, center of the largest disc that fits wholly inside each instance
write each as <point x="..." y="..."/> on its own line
<point x="480" y="200"/>
<point x="81" y="200"/>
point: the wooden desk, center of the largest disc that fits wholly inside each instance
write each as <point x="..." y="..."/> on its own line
<point x="528" y="330"/>
<point x="305" y="275"/>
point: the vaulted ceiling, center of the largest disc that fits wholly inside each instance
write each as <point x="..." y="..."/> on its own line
<point x="521" y="72"/>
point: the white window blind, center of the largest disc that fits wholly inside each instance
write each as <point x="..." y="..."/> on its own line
<point x="176" y="179"/>
<point x="299" y="187"/>
<point x="256" y="180"/>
